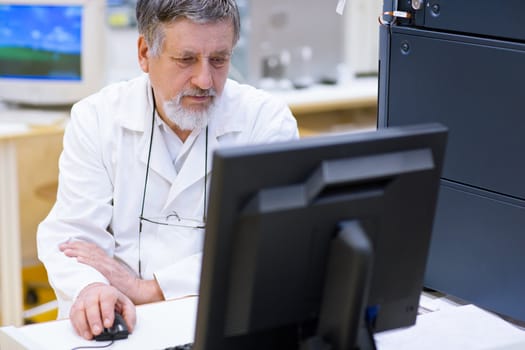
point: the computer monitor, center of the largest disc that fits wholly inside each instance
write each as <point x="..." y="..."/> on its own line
<point x="52" y="52"/>
<point x="306" y="237"/>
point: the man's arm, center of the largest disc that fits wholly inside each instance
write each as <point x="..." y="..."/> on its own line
<point x="83" y="209"/>
<point x="138" y="290"/>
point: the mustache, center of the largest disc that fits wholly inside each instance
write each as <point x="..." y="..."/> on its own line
<point x="199" y="92"/>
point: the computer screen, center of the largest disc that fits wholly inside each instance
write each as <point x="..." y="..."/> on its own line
<point x="305" y="238"/>
<point x="52" y="52"/>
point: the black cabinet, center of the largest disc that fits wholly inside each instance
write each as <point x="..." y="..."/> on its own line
<point x="468" y="73"/>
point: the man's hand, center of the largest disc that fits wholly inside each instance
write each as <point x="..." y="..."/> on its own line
<point x="138" y="290"/>
<point x="95" y="308"/>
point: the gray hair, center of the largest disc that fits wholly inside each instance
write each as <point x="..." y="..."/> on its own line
<point x="153" y="14"/>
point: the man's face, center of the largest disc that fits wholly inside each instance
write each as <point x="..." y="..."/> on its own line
<point x="192" y="67"/>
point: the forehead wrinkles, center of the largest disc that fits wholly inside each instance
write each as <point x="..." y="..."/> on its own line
<point x="207" y="38"/>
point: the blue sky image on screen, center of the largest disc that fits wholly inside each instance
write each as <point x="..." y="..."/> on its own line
<point x="40" y="42"/>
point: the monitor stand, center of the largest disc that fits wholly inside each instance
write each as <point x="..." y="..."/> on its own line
<point x="342" y="317"/>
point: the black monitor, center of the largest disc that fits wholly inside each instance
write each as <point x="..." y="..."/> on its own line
<point x="312" y="242"/>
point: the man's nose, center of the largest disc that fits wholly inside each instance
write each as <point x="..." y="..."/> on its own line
<point x="202" y="76"/>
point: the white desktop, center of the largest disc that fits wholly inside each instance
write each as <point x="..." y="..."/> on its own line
<point x="443" y="325"/>
<point x="159" y="325"/>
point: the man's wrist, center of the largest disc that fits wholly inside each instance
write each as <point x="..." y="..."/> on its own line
<point x="148" y="291"/>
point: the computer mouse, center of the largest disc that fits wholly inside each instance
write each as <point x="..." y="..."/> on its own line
<point x="119" y="330"/>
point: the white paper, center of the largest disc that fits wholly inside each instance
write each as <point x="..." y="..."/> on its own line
<point x="454" y="328"/>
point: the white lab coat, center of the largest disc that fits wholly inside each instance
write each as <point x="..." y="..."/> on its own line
<point x="101" y="181"/>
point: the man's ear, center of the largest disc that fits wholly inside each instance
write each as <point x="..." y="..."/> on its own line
<point x="143" y="51"/>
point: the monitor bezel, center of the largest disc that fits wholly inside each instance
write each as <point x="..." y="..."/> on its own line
<point x="51" y="92"/>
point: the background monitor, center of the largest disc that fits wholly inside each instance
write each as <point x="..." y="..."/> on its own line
<point x="52" y="52"/>
<point x="305" y="237"/>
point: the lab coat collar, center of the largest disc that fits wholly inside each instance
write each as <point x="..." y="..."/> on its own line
<point x="160" y="160"/>
<point x="137" y="105"/>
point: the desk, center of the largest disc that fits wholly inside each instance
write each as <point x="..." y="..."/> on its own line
<point x="169" y="323"/>
<point x="447" y="324"/>
<point x="356" y="93"/>
<point x="159" y="325"/>
<point x="29" y="168"/>
<point x="350" y="106"/>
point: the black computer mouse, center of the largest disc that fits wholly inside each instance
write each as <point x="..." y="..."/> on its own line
<point x="119" y="330"/>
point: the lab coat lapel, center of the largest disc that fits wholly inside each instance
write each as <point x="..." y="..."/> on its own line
<point x="160" y="161"/>
<point x="193" y="168"/>
<point x="225" y="120"/>
<point x="135" y="116"/>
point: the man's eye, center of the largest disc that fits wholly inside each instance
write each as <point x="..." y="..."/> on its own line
<point x="218" y="61"/>
<point x="186" y="60"/>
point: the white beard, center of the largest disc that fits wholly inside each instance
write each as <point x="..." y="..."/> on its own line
<point x="187" y="119"/>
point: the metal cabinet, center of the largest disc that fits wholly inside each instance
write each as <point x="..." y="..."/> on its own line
<point x="462" y="63"/>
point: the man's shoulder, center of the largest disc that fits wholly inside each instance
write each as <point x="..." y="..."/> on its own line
<point x="122" y="89"/>
<point x="121" y="103"/>
<point x="260" y="115"/>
